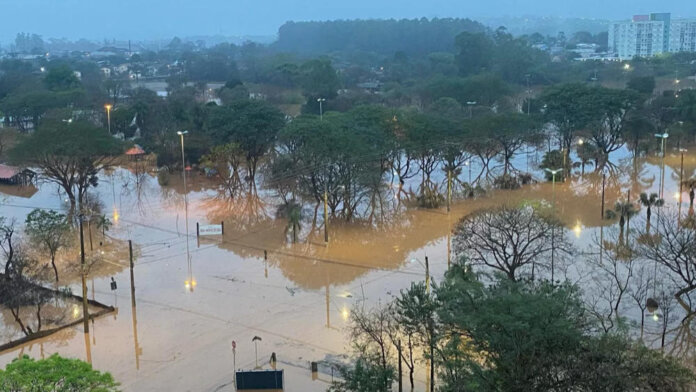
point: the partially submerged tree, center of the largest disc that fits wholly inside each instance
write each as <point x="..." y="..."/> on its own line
<point x="653" y="200"/>
<point x="50" y="230"/>
<point x="7" y="244"/>
<point x="508" y="239"/>
<point x="674" y="247"/>
<point x="624" y="210"/>
<point x="70" y="154"/>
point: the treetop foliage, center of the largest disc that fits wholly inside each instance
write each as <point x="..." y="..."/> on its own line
<point x="54" y="374"/>
<point x="413" y="36"/>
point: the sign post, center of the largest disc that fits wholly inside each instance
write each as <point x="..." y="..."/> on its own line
<point x="234" y="361"/>
<point x="204" y="230"/>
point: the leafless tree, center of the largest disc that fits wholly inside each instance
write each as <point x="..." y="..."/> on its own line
<point x="639" y="289"/>
<point x="508" y="239"/>
<point x="615" y="267"/>
<point x="7" y="236"/>
<point x="673" y="246"/>
<point x="370" y="332"/>
<point x="666" y="302"/>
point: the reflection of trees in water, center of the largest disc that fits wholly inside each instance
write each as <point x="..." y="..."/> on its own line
<point x="382" y="240"/>
<point x="29" y="309"/>
<point x="138" y="185"/>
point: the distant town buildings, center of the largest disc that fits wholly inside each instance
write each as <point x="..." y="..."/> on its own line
<point x="651" y="35"/>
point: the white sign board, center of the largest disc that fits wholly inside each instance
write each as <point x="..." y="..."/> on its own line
<point x="210" y="230"/>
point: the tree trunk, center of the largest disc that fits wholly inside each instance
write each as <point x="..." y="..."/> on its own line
<point x="53" y="263"/>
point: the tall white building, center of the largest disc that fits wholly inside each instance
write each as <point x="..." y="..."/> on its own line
<point x="651" y="35"/>
<point x="682" y="36"/>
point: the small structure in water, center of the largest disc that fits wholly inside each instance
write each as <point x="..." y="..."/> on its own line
<point x="12" y="175"/>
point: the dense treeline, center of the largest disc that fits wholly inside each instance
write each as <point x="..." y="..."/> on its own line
<point x="412" y="36"/>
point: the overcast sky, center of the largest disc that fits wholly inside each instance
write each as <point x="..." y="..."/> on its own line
<point x="154" y="19"/>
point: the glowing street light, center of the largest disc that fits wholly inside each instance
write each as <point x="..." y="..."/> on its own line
<point x="471" y="104"/>
<point x="192" y="284"/>
<point x="108" y="107"/>
<point x="662" y="136"/>
<point x="627" y="66"/>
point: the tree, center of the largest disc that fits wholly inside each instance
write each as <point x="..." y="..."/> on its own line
<point x="61" y="78"/>
<point x="520" y="336"/>
<point x="649" y="202"/>
<point x="508" y="239"/>
<point x="104" y="224"/>
<point x="366" y="375"/>
<point x="674" y="247"/>
<point x="253" y="125"/>
<point x="225" y="162"/>
<point x="475" y="52"/>
<point x="318" y="79"/>
<point x="54" y="374"/>
<point x="8" y="244"/>
<point x="292" y="211"/>
<point x="642" y="84"/>
<point x="567" y="109"/>
<point x="68" y="154"/>
<point x="50" y="230"/>
<point x="509" y="132"/>
<point x="691" y="184"/>
<point x="609" y="110"/>
<point x="624" y="210"/>
<point x="8" y="138"/>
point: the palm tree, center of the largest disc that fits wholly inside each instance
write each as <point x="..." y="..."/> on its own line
<point x="624" y="210"/>
<point x="292" y="211"/>
<point x="103" y="223"/>
<point x="650" y="201"/>
<point x="691" y="184"/>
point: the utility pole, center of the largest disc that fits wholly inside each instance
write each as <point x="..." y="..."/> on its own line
<point x="604" y="183"/>
<point x="449" y="189"/>
<point x="398" y="347"/>
<point x="427" y="275"/>
<point x="83" y="265"/>
<point x="326" y="213"/>
<point x="132" y="276"/>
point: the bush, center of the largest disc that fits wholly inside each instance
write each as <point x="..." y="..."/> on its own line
<point x="163" y="177"/>
<point x="506" y="181"/>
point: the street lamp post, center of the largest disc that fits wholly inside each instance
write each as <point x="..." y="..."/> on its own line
<point x="108" y="116"/>
<point x="664" y="137"/>
<point x="471" y="105"/>
<point x="183" y="170"/>
<point x="83" y="269"/>
<point x="553" y="239"/>
<point x="321" y="107"/>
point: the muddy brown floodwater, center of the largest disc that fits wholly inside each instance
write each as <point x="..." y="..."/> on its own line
<point x="297" y="297"/>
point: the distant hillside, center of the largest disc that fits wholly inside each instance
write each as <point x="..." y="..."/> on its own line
<point x="546" y="25"/>
<point x="413" y="36"/>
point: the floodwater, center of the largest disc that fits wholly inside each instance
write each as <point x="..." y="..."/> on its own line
<point x="174" y="330"/>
